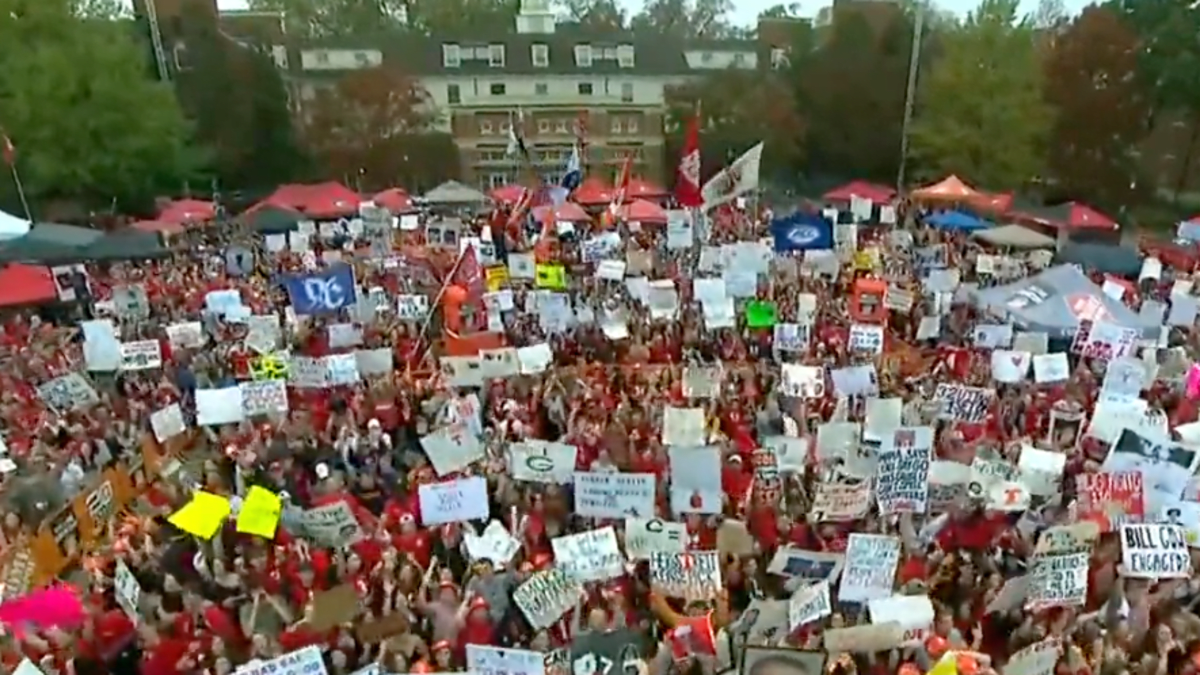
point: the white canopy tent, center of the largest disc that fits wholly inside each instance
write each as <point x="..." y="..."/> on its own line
<point x="12" y="227"/>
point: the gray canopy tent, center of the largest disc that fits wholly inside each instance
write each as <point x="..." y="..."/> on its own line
<point x="1054" y="301"/>
<point x="454" y="193"/>
<point x="1014" y="236"/>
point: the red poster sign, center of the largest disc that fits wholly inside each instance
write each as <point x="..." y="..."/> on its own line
<point x="1111" y="498"/>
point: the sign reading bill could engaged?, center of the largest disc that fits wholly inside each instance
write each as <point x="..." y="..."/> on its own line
<point x="1155" y="551"/>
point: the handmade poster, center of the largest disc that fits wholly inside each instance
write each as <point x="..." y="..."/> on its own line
<point x="539" y="461"/>
<point x="332" y="525"/>
<point x="763" y="622"/>
<point x="903" y="474"/>
<point x="1166" y="466"/>
<point x="1059" y="576"/>
<point x="496" y="544"/>
<point x="914" y="613"/>
<point x="589" y="556"/>
<point x="304" y="661"/>
<point x="614" y="495"/>
<point x="798" y="563"/>
<point x="68" y="392"/>
<point x="962" y="403"/>
<point x="775" y="660"/>
<point x="615" y="652"/>
<point x="644" y="536"/>
<point x="841" y="502"/>
<point x="264" y="397"/>
<point x="546" y="596"/>
<point x="128" y="592"/>
<point x="694" y="575"/>
<point x="1155" y="551"/>
<point x="871" y="561"/>
<point x="809" y="604"/>
<point x="454" y="501"/>
<point x="452" y="448"/>
<point x="504" y="661"/>
<point x="167" y="423"/>
<point x="1110" y="499"/>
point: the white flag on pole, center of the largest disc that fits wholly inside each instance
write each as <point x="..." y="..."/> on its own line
<point x="734" y="180"/>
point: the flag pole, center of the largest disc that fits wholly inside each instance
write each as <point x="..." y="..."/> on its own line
<point x="438" y="298"/>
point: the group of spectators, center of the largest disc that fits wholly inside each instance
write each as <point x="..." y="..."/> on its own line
<point x="416" y="598"/>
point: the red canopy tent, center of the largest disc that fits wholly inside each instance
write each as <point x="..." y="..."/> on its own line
<point x="324" y="200"/>
<point x="25" y="285"/>
<point x="1084" y="217"/>
<point x="592" y="192"/>
<point x="642" y="211"/>
<point x="395" y="200"/>
<point x="188" y="211"/>
<point x="996" y="202"/>
<point x="158" y="226"/>
<point x="878" y="194"/>
<point x="951" y="188"/>
<point x="568" y="212"/>
<point x="508" y="194"/>
<point x="643" y="189"/>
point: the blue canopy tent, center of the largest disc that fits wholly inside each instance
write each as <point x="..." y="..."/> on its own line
<point x="957" y="221"/>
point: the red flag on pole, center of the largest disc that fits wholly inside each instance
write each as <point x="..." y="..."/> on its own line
<point x="469" y="275"/>
<point x="687" y="185"/>
<point x="622" y="187"/>
<point x="9" y="150"/>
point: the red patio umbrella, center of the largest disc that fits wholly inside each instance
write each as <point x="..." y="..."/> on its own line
<point x="25" y="285"/>
<point x="188" y="211"/>
<point x="508" y="194"/>
<point x="643" y="189"/>
<point x="642" y="211"/>
<point x="324" y="200"/>
<point x="878" y="194"/>
<point x="158" y="226"/>
<point x="1084" y="217"/>
<point x="592" y="192"/>
<point x="395" y="200"/>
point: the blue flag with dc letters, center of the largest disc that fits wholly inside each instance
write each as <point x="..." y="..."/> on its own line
<point x="321" y="292"/>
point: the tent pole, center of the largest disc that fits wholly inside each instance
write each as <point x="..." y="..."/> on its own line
<point x="21" y="192"/>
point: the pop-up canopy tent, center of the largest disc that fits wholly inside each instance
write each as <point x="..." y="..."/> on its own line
<point x="1055" y="301"/>
<point x="12" y="227"/>
<point x="957" y="221"/>
<point x="452" y="193"/>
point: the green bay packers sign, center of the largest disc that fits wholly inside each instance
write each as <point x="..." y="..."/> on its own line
<point x="542" y="462"/>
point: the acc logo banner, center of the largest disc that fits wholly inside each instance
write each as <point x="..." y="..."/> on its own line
<point x="322" y="292"/>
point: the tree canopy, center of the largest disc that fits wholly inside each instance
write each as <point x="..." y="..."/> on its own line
<point x="81" y="108"/>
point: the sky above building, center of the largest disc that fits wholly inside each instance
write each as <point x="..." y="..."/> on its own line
<point x="746" y="11"/>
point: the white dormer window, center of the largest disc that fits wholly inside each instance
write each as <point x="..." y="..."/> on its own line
<point x="496" y="56"/>
<point x="583" y="56"/>
<point x="625" y="56"/>
<point x="362" y="59"/>
<point x="540" y="55"/>
<point x="451" y="56"/>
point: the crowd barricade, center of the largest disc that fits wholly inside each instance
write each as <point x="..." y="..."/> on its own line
<point x="82" y="526"/>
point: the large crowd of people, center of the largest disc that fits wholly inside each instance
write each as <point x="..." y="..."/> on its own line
<point x="661" y="448"/>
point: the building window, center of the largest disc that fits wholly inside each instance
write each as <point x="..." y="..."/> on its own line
<point x="541" y="88"/>
<point x="451" y="56"/>
<point x="609" y="53"/>
<point x="560" y="127"/>
<point x="541" y="56"/>
<point x="583" y="56"/>
<point x="631" y="125"/>
<point x="496" y="56"/>
<point x="453" y="94"/>
<point x="323" y="58"/>
<point x="543" y="126"/>
<point x="363" y="59"/>
<point x="627" y="92"/>
<point x="739" y="59"/>
<point x="625" y="56"/>
<point x="485" y="128"/>
<point x="496" y="180"/>
<point x="706" y="57"/>
<point x="497" y="89"/>
<point x="616" y="125"/>
<point x="585" y="88"/>
<point x="505" y="127"/>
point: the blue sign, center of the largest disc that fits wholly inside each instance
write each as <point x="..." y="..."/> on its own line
<point x="321" y="292"/>
<point x="802" y="232"/>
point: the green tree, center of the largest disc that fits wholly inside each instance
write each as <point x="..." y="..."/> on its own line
<point x="599" y="14"/>
<point x="1092" y="66"/>
<point x="237" y="101"/>
<point x="852" y="90"/>
<point x="87" y="119"/>
<point x="789" y="11"/>
<point x="440" y="17"/>
<point x="980" y="112"/>
<point x="685" y="19"/>
<point x="337" y="18"/>
<point x="738" y="109"/>
<point x="371" y="128"/>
